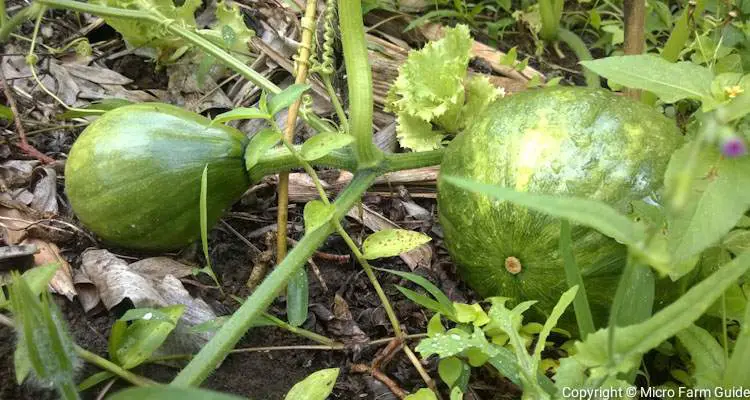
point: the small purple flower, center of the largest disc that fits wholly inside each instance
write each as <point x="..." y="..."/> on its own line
<point x="733" y="147"/>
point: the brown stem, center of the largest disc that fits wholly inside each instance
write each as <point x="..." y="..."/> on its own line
<point x="23" y="145"/>
<point x="635" y="25"/>
<point x="390" y="383"/>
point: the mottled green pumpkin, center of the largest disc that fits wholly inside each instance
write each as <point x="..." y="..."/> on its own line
<point x="563" y="141"/>
<point x="133" y="177"/>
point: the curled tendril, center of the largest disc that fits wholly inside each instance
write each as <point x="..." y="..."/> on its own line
<point x="325" y="65"/>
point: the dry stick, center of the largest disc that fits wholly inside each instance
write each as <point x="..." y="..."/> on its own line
<point x="23" y="145"/>
<point x="392" y="385"/>
<point x="635" y="22"/>
<point x="308" y="22"/>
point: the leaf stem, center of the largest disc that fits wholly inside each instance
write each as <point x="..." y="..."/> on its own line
<point x="107" y="365"/>
<point x="359" y="79"/>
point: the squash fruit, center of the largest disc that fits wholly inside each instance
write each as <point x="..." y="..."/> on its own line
<point x="579" y="142"/>
<point x="133" y="177"/>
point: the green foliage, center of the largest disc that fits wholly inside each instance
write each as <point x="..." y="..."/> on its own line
<point x="392" y="242"/>
<point x="229" y="31"/>
<point x="670" y="81"/>
<point x="593" y="362"/>
<point x="285" y="98"/>
<point x="430" y="102"/>
<point x="317" y="386"/>
<point x="259" y="144"/>
<point x="44" y="346"/>
<point x="715" y="202"/>
<point x="323" y="144"/>
<point x="132" y="344"/>
<point x="240" y="113"/>
<point x="316" y="213"/>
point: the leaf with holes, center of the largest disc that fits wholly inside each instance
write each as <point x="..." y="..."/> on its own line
<point x="392" y="242"/>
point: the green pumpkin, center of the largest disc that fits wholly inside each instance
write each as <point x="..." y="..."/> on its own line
<point x="133" y="177"/>
<point x="579" y="142"/>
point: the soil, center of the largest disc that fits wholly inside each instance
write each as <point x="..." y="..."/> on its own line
<point x="270" y="374"/>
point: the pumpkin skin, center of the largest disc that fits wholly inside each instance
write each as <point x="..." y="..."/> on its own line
<point x="579" y="142"/>
<point x="133" y="177"/>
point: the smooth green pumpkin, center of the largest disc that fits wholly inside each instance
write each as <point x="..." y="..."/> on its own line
<point x="133" y="177"/>
<point x="580" y="142"/>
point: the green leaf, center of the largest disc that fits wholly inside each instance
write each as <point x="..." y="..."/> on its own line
<point x="670" y="81"/>
<point x="211" y="325"/>
<point x="316" y="214"/>
<point x="438" y="294"/>
<point x="145" y="336"/>
<point x="98" y="107"/>
<point x="6" y="113"/>
<point x="706" y="355"/>
<point x="286" y="98"/>
<point x="471" y="314"/>
<point x="203" y="211"/>
<point x="634" y="298"/>
<point x="94" y="380"/>
<point x="139" y="33"/>
<point x="563" y="303"/>
<point x="36" y="278"/>
<point x="454" y="342"/>
<point x="44" y="344"/>
<point x="240" y="113"/>
<point x="317" y="386"/>
<point x="635" y="340"/>
<point x="715" y="203"/>
<point x="260" y="142"/>
<point x="457" y="394"/>
<point x="450" y="369"/>
<point x="323" y="143"/>
<point x="510" y="57"/>
<point x="593" y="214"/>
<point x="737" y="241"/>
<point x="422" y="394"/>
<point x="435" y="325"/>
<point x="424" y="95"/>
<point x="297" y="297"/>
<point x="170" y="393"/>
<point x="422" y="300"/>
<point x="417" y="134"/>
<point x="575" y="279"/>
<point x="392" y="242"/>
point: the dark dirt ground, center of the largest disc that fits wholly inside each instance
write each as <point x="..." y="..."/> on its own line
<point x="268" y="375"/>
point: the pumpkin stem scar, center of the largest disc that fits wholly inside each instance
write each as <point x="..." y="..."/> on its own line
<point x="513" y="265"/>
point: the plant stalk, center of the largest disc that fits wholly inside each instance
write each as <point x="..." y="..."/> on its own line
<point x="281" y="159"/>
<point x="359" y="79"/>
<point x="635" y="33"/>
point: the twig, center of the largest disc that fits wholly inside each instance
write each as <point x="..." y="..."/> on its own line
<point x="418" y="366"/>
<point x="23" y="145"/>
<point x="390" y="383"/>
